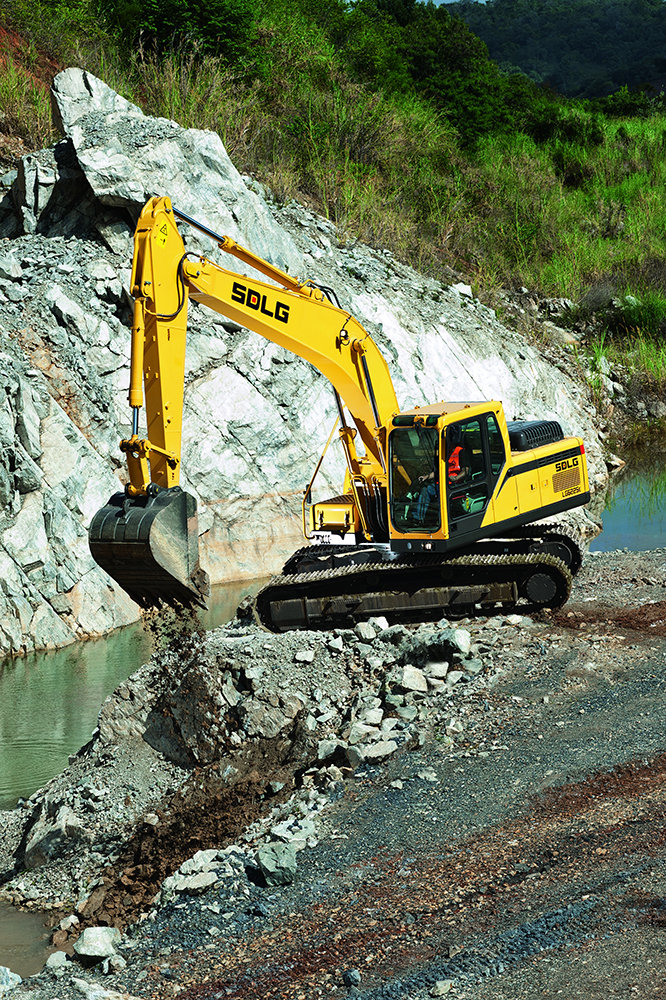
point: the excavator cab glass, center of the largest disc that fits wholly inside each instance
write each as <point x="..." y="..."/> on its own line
<point x="474" y="458"/>
<point x="414" y="467"/>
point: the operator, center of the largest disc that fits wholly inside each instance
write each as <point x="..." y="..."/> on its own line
<point x="459" y="464"/>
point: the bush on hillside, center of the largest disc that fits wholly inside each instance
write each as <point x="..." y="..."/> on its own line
<point x="218" y="27"/>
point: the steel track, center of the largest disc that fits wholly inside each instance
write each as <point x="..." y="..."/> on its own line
<point x="423" y="586"/>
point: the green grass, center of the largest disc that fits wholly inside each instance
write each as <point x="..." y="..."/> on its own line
<point x="643" y="354"/>
<point x="25" y="104"/>
<point x="559" y="215"/>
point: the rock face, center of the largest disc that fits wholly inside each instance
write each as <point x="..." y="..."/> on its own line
<point x="256" y="417"/>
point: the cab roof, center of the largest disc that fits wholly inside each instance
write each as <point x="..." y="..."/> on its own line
<point x="445" y="409"/>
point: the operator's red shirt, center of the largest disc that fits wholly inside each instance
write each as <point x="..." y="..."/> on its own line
<point x="454" y="462"/>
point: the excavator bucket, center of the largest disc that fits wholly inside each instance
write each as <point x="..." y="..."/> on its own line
<point x="150" y="546"/>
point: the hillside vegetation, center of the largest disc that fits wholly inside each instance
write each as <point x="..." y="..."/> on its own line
<point x="582" y="48"/>
<point x="389" y="117"/>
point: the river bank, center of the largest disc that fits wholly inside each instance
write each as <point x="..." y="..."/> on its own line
<point x="564" y="709"/>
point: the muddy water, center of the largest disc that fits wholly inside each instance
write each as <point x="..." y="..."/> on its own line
<point x="49" y="701"/>
<point x="23" y="941"/>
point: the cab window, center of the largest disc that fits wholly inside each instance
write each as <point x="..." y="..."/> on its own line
<point x="475" y="457"/>
<point x="466" y="468"/>
<point x="414" y="486"/>
<point x="495" y="446"/>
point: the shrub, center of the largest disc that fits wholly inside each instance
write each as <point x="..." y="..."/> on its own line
<point x="218" y="27"/>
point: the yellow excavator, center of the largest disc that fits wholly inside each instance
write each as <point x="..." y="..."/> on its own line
<point x="439" y="505"/>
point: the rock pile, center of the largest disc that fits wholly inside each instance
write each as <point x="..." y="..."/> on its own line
<point x="275" y="723"/>
<point x="255" y="416"/>
<point x="236" y="712"/>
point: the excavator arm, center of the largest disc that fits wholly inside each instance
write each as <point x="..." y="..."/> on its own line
<point x="299" y="316"/>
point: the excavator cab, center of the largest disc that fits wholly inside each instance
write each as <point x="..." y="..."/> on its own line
<point x="444" y="467"/>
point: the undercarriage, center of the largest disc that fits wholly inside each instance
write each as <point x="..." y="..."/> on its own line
<point x="336" y="586"/>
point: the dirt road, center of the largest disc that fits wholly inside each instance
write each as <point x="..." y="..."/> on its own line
<point x="514" y="848"/>
<point x="528" y="862"/>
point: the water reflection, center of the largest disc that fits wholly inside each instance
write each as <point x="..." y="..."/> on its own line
<point x="49" y="701"/>
<point x="635" y="513"/>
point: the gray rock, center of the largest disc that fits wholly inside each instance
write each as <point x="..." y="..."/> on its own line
<point x="351" y="977"/>
<point x="192" y="885"/>
<point x="407" y="712"/>
<point x="365" y="631"/>
<point x="441" y="988"/>
<point x="371" y="716"/>
<point x="360" y="732"/>
<point x="412" y="679"/>
<point x="8" y="979"/>
<point x="277" y="863"/>
<point x="379" y="623"/>
<point x="127" y="157"/>
<point x="462" y="640"/>
<point x="93" y="991"/>
<point x="68" y="313"/>
<point x="49" y="836"/>
<point x="58" y="960"/>
<point x="326" y="749"/>
<point x="295" y="832"/>
<point x="558" y="335"/>
<point x="202" y="861"/>
<point x="113" y="965"/>
<point x="10" y="267"/>
<point x="380" y="750"/>
<point x="437" y="670"/>
<point x="355" y="756"/>
<point x="97" y="942"/>
<point x="396" y="634"/>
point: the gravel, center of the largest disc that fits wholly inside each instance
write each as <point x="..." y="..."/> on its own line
<point x="507" y="844"/>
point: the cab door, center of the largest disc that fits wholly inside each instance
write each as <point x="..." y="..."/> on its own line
<point x="475" y="456"/>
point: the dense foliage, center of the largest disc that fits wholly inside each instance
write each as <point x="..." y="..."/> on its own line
<point x="221" y="27"/>
<point x="582" y="48"/>
<point x="390" y="117"/>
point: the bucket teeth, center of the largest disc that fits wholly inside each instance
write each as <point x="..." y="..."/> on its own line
<point x="150" y="546"/>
